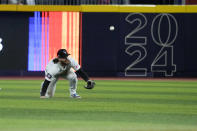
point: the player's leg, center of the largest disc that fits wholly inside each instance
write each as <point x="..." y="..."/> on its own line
<point x="43" y="89"/>
<point x="72" y="78"/>
<point x="51" y="89"/>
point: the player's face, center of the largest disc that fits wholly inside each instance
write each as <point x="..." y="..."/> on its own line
<point x="63" y="61"/>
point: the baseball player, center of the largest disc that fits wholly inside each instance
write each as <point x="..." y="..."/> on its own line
<point x="61" y="67"/>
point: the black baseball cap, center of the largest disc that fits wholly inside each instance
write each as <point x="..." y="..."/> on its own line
<point x="62" y="53"/>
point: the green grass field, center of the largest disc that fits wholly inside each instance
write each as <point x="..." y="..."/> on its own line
<point x="135" y="105"/>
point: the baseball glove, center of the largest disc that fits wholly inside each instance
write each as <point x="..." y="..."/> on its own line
<point x="90" y="84"/>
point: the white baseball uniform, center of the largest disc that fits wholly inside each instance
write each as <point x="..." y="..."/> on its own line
<point x="55" y="70"/>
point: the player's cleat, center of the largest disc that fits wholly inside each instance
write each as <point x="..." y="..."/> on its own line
<point x="75" y="96"/>
<point x="44" y="97"/>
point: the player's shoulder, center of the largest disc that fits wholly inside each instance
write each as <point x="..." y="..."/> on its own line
<point x="52" y="62"/>
<point x="52" y="68"/>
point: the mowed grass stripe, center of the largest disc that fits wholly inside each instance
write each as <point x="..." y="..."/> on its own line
<point x="111" y="95"/>
<point x="62" y="125"/>
<point x="145" y="87"/>
<point x="98" y="104"/>
<point x="61" y="114"/>
<point x="114" y="83"/>
<point x="118" y="98"/>
<point x="102" y="106"/>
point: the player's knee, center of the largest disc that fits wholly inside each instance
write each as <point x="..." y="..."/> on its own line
<point x="74" y="78"/>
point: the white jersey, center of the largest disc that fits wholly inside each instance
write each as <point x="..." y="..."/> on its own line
<point x="54" y="70"/>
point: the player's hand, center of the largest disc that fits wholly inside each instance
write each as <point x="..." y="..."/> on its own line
<point x="90" y="84"/>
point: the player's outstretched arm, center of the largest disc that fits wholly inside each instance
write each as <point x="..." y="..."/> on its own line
<point x="85" y="77"/>
<point x="83" y="74"/>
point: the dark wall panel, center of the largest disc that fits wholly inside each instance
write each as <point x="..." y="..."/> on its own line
<point x="100" y="45"/>
<point x="190" y="43"/>
<point x="14" y="32"/>
<point x="142" y="44"/>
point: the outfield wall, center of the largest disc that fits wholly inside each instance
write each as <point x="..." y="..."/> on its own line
<point x="142" y="44"/>
<point x="114" y="40"/>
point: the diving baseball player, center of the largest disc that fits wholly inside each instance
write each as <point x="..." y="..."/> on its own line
<point x="61" y="67"/>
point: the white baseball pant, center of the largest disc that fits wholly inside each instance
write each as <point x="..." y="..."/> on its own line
<point x="70" y="76"/>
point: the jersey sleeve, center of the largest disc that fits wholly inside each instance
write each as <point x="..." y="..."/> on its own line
<point x="74" y="63"/>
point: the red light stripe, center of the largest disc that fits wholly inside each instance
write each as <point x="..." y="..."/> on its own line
<point x="60" y="30"/>
<point x="64" y="30"/>
<point x="55" y="33"/>
<point x="71" y="33"/>
<point x="76" y="41"/>
<point x="68" y="23"/>
<point x="69" y="40"/>
<point x="50" y="35"/>
<point x="74" y="34"/>
<point x="50" y="44"/>
<point x="45" y="29"/>
<point x="42" y="37"/>
<point x="77" y="36"/>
